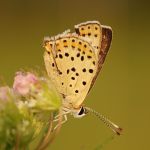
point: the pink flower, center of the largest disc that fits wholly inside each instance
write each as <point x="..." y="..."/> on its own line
<point x="4" y="92"/>
<point x="24" y="82"/>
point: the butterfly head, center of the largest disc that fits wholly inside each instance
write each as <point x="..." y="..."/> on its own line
<point x="79" y="113"/>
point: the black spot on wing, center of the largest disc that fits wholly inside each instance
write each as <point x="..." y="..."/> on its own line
<point x="73" y="78"/>
<point x="73" y="69"/>
<point x="72" y="58"/>
<point x="78" y="54"/>
<point x="60" y="56"/>
<point x="84" y="83"/>
<point x="84" y="70"/>
<point x="82" y="58"/>
<point x="66" y="54"/>
<point x="76" y="91"/>
<point x="90" y="70"/>
<point x="53" y="64"/>
<point x="67" y="71"/>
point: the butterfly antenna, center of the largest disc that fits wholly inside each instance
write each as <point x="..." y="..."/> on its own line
<point x="106" y="121"/>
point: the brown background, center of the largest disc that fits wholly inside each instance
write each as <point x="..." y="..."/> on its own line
<point x="121" y="91"/>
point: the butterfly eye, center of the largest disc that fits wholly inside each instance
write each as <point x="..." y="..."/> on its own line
<point x="82" y="111"/>
<point x="79" y="113"/>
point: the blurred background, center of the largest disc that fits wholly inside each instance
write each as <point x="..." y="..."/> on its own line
<point x="122" y="89"/>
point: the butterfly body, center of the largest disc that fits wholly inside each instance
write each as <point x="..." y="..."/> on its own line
<point x="73" y="62"/>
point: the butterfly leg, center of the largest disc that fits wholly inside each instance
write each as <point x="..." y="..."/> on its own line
<point x="62" y="122"/>
<point x="63" y="114"/>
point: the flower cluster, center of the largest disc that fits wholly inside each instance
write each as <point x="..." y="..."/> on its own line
<point x="25" y="109"/>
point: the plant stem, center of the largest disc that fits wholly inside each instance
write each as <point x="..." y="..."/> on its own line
<point x="17" y="142"/>
<point x="49" y="139"/>
<point x="44" y="139"/>
<point x="57" y="129"/>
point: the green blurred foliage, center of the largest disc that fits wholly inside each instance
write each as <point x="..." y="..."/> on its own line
<point x="14" y="126"/>
<point x="121" y="91"/>
<point x="25" y="116"/>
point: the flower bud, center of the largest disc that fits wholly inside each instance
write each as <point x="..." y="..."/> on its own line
<point x="24" y="83"/>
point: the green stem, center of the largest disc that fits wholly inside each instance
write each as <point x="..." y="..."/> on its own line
<point x="17" y="142"/>
<point x="44" y="139"/>
<point x="49" y="139"/>
<point x="57" y="129"/>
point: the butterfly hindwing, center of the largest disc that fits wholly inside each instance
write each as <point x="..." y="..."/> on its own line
<point x="92" y="32"/>
<point x="100" y="37"/>
<point x="105" y="45"/>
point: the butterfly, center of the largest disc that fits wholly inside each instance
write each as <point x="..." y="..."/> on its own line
<point x="73" y="61"/>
